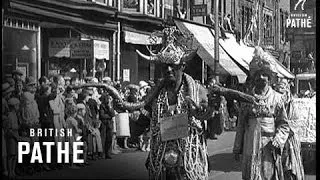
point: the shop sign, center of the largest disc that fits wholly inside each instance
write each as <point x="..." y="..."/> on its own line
<point x="101" y="49"/>
<point x="199" y="10"/>
<point x="78" y="49"/>
<point x="301" y="14"/>
<point x="126" y="75"/>
<point x="59" y="47"/>
<point x="138" y="38"/>
<point x="81" y="49"/>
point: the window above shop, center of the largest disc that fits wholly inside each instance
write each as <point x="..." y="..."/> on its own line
<point x="147" y="7"/>
<point x="112" y="3"/>
<point x="20" y="23"/>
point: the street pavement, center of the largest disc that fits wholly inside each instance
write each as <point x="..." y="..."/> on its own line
<point x="131" y="165"/>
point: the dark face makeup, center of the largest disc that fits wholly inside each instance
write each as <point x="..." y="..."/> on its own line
<point x="261" y="79"/>
<point x="172" y="73"/>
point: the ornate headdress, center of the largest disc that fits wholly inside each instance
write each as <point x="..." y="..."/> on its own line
<point x="262" y="61"/>
<point x="177" y="47"/>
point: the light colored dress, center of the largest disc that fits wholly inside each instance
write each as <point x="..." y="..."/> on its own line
<point x="72" y="123"/>
<point x="57" y="105"/>
<point x="258" y="125"/>
<point x="97" y="143"/>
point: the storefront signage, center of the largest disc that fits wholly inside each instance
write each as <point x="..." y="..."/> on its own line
<point x="101" y="49"/>
<point x="78" y="49"/>
<point x="138" y="38"/>
<point x="59" y="47"/>
<point x="81" y="49"/>
<point x="126" y="75"/>
<point x="301" y="14"/>
<point x="199" y="10"/>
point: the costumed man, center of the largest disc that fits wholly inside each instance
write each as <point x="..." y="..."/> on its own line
<point x="291" y="157"/>
<point x="178" y="150"/>
<point x="263" y="127"/>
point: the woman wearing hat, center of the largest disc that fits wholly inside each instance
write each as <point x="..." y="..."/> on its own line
<point x="6" y="95"/>
<point x="262" y="126"/>
<point x="17" y="75"/>
<point x="12" y="135"/>
<point x="31" y="84"/>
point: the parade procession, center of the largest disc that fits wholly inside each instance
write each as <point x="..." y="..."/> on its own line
<point x="159" y="90"/>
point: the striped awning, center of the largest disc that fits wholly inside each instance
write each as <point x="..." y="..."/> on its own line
<point x="204" y="41"/>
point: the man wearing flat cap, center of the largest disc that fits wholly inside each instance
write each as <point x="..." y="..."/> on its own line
<point x="31" y="85"/>
<point x="262" y="126"/>
<point x="17" y="75"/>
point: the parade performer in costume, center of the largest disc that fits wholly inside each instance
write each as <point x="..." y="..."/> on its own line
<point x="291" y="156"/>
<point x="263" y="126"/>
<point x="180" y="155"/>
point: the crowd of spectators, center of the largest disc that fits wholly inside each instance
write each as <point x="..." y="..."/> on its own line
<point x="61" y="103"/>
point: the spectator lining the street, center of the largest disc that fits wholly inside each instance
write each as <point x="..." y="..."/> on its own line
<point x="84" y="130"/>
<point x="97" y="143"/>
<point x="227" y="23"/>
<point x="6" y="95"/>
<point x="17" y="75"/>
<point x="71" y="123"/>
<point x="106" y="114"/>
<point x="12" y="135"/>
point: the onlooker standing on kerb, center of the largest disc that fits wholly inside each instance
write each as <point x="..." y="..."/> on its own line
<point x="227" y="23"/>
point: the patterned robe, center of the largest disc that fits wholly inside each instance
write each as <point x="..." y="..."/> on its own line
<point x="192" y="160"/>
<point x="258" y="125"/>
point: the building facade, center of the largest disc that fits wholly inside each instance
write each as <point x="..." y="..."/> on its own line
<point x="303" y="38"/>
<point x="80" y="38"/>
<point x="99" y="37"/>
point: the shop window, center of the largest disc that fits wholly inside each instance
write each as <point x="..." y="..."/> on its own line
<point x="112" y="3"/>
<point x="20" y="24"/>
<point x="132" y="5"/>
<point x="151" y="7"/>
<point x="20" y="51"/>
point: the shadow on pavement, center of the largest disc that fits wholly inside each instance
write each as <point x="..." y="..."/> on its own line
<point x="310" y="168"/>
<point x="224" y="162"/>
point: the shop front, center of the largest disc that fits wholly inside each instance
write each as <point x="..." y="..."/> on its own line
<point x="133" y="67"/>
<point x="71" y="38"/>
<point x="21" y="46"/>
<point x="72" y="53"/>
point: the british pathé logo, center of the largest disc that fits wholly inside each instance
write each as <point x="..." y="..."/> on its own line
<point x="300" y="2"/>
<point x="300" y="14"/>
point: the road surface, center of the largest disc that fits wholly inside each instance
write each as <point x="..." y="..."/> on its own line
<point x="130" y="165"/>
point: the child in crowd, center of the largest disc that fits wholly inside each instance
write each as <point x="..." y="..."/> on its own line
<point x="97" y="143"/>
<point x="71" y="123"/>
<point x="30" y="113"/>
<point x="84" y="134"/>
<point x="12" y="135"/>
<point x="146" y="140"/>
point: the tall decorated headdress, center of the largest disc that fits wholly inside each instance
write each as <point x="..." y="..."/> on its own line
<point x="262" y="61"/>
<point x="176" y="47"/>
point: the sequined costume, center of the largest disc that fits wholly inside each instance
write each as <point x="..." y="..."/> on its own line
<point x="184" y="158"/>
<point x="258" y="125"/>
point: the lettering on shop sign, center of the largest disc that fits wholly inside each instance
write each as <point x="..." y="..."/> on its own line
<point x="199" y="10"/>
<point x="101" y="49"/>
<point x="78" y="49"/>
<point x="59" y="47"/>
<point x="81" y="49"/>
